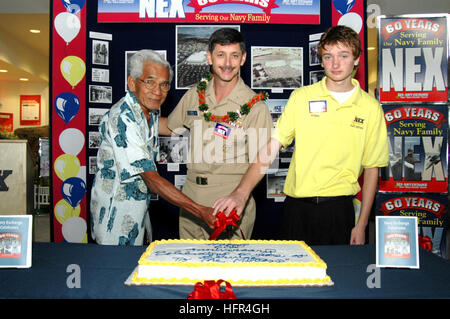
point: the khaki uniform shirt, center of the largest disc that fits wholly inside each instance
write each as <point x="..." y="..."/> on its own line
<point x="221" y="162"/>
<point x="209" y="152"/>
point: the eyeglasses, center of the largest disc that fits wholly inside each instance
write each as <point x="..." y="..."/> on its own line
<point x="151" y="84"/>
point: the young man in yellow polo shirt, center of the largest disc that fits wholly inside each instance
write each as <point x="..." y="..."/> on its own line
<point x="339" y="132"/>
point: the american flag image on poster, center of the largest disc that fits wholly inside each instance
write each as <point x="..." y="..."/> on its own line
<point x="413" y="58"/>
<point x="417" y="138"/>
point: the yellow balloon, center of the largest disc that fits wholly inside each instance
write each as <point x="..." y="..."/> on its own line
<point x="73" y="69"/>
<point x="66" y="166"/>
<point x="64" y="211"/>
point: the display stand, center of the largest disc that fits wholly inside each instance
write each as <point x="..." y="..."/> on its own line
<point x="413" y="83"/>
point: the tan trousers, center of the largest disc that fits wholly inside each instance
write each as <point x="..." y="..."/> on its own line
<point x="191" y="227"/>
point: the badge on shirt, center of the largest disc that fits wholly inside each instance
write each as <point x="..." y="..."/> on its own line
<point x="317" y="106"/>
<point x="192" y="112"/>
<point x="222" y="131"/>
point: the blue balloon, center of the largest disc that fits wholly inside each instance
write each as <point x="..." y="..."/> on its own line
<point x="67" y="106"/>
<point x="343" y="6"/>
<point x="73" y="6"/>
<point x="73" y="190"/>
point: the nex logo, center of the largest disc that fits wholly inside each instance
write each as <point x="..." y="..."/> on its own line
<point x="358" y="120"/>
<point x="3" y="175"/>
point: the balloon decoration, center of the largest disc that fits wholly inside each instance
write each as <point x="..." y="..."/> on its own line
<point x="64" y="211"/>
<point x="73" y="190"/>
<point x="73" y="69"/>
<point x="74" y="230"/>
<point x="66" y="166"/>
<point x="67" y="106"/>
<point x="71" y="141"/>
<point x="349" y="19"/>
<point x="69" y="68"/>
<point x="67" y="26"/>
<point x="343" y="6"/>
<point x="73" y="6"/>
<point x="352" y="20"/>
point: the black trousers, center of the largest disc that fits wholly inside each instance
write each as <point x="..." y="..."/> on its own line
<point x="325" y="223"/>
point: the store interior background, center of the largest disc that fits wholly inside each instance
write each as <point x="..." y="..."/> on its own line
<point x="25" y="55"/>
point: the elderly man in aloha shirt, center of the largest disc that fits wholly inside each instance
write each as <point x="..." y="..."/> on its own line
<point x="127" y="155"/>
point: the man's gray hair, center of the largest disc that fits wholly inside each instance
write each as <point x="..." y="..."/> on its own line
<point x="137" y="60"/>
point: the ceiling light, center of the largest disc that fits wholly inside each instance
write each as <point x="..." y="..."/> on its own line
<point x="35" y="31"/>
<point x="371" y="48"/>
<point x="23" y="79"/>
<point x="3" y="71"/>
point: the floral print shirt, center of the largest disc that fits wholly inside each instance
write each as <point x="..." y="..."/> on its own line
<point x="119" y="196"/>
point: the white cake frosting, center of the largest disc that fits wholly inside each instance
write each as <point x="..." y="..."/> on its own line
<point x="240" y="262"/>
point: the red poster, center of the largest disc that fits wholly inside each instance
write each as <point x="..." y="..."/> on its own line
<point x="30" y="110"/>
<point x="6" y="122"/>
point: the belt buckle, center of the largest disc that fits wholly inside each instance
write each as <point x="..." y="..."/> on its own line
<point x="201" y="180"/>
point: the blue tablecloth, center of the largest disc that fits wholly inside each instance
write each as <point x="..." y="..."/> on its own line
<point x="104" y="270"/>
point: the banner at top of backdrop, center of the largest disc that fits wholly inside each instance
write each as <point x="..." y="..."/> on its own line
<point x="210" y="11"/>
<point x="413" y="58"/>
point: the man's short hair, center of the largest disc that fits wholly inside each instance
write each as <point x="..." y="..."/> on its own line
<point x="343" y="35"/>
<point x="226" y="36"/>
<point x="137" y="60"/>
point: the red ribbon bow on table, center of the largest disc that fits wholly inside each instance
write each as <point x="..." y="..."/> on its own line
<point x="210" y="289"/>
<point x="425" y="242"/>
<point x="223" y="221"/>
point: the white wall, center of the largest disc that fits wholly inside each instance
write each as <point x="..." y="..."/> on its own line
<point x="10" y="99"/>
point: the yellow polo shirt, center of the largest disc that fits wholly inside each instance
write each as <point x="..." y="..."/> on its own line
<point x="333" y="142"/>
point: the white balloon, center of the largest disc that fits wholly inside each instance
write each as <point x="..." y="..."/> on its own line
<point x="74" y="229"/>
<point x="351" y="20"/>
<point x="67" y="25"/>
<point x="71" y="141"/>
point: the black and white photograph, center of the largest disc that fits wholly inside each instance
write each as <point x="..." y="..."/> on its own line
<point x="96" y="115"/>
<point x="93" y="165"/>
<point x="316" y="76"/>
<point x="129" y="54"/>
<point x="277" y="67"/>
<point x="100" y="94"/>
<point x="191" y="47"/>
<point x="100" y="75"/>
<point x="313" y="53"/>
<point x="94" y="139"/>
<point x="100" y="52"/>
<point x="173" y="149"/>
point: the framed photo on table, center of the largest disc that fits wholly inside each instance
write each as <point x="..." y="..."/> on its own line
<point x="397" y="242"/>
<point x="15" y="241"/>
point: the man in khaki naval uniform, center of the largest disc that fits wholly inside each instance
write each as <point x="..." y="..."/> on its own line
<point x="220" y="152"/>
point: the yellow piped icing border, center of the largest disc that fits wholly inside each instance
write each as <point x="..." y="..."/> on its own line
<point x="172" y="281"/>
<point x="319" y="263"/>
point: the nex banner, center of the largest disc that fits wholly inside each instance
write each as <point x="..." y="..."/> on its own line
<point x="210" y="11"/>
<point x="413" y="58"/>
<point x="418" y="156"/>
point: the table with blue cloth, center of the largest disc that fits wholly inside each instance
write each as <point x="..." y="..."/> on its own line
<point x="104" y="269"/>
